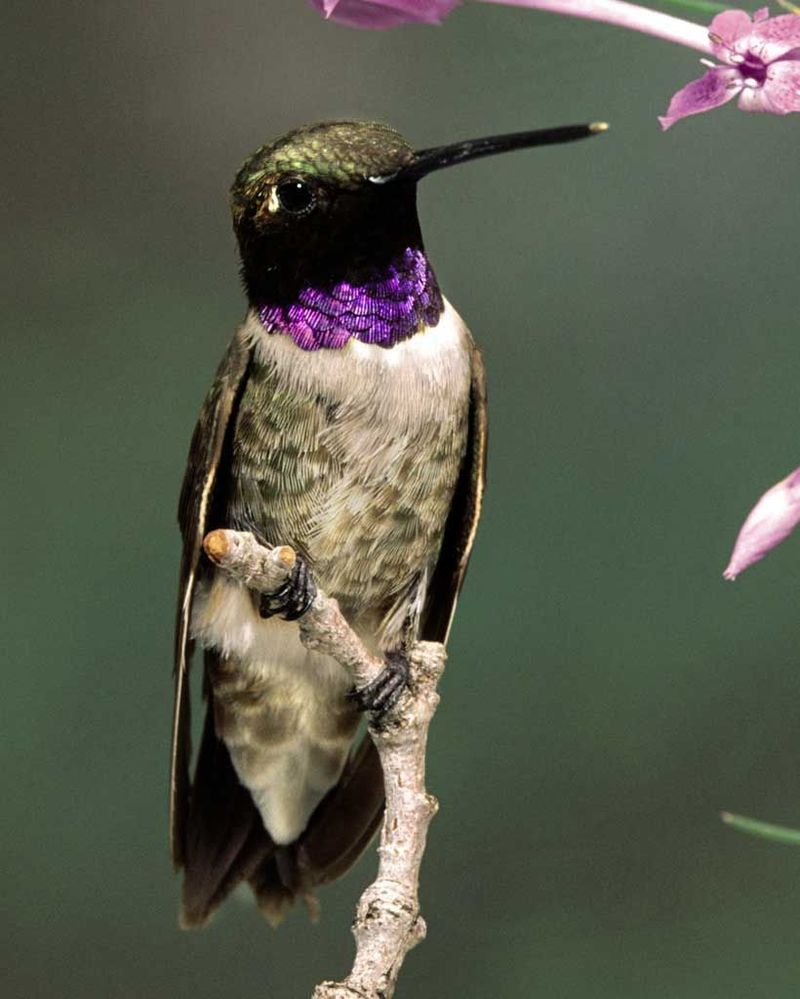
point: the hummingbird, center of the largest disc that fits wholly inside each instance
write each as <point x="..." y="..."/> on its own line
<point x="347" y="420"/>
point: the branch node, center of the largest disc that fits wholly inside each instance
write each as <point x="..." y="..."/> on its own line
<point x="216" y="545"/>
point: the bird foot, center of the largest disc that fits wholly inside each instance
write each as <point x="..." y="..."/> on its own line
<point x="383" y="692"/>
<point x="293" y="599"/>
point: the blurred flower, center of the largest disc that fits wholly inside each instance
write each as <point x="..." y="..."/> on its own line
<point x="385" y="13"/>
<point x="389" y="13"/>
<point x="762" y="66"/>
<point x="761" y="56"/>
<point x="770" y="521"/>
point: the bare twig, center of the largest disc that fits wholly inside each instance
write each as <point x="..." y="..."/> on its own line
<point x="388" y="922"/>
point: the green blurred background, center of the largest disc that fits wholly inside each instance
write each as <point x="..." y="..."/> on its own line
<point x="636" y="301"/>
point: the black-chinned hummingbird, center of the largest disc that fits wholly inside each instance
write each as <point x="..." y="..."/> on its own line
<point x="348" y="420"/>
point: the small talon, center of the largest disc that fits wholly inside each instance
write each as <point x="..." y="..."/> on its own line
<point x="383" y="692"/>
<point x="293" y="599"/>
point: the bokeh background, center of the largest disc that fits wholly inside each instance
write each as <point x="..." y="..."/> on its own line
<point x="636" y="301"/>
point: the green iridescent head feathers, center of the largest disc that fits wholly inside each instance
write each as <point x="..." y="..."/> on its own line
<point x="343" y="153"/>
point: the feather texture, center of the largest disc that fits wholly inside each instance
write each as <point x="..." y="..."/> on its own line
<point x="376" y="452"/>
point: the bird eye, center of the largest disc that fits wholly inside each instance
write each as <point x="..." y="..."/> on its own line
<point x="295" y="196"/>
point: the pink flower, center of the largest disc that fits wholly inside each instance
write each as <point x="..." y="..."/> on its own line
<point x="760" y="56"/>
<point x="385" y="13"/>
<point x="770" y="521"/>
<point x="762" y="67"/>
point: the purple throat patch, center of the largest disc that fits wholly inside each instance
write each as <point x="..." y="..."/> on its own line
<point x="385" y="309"/>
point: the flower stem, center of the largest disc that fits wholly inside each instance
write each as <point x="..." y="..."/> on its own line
<point x="625" y="15"/>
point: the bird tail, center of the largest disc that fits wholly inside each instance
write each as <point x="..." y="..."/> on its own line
<point x="226" y="842"/>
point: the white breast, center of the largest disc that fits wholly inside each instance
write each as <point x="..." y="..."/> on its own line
<point x="430" y="361"/>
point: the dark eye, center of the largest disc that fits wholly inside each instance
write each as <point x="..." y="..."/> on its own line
<point x="295" y="196"/>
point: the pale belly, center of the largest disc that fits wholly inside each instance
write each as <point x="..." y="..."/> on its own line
<point x="350" y="456"/>
<point x="279" y="708"/>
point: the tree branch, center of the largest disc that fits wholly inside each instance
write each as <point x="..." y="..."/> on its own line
<point x="388" y="922"/>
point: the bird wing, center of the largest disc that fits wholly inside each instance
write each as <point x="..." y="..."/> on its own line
<point x="196" y="499"/>
<point x="346" y="820"/>
<point x="462" y="521"/>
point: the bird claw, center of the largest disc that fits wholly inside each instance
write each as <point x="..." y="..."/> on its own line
<point x="293" y="599"/>
<point x="382" y="693"/>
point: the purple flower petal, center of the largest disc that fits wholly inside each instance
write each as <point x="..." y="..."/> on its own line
<point x="714" y="88"/>
<point x="783" y="86"/>
<point x="770" y="521"/>
<point x="780" y="93"/>
<point x="726" y="29"/>
<point x="777" y="36"/>
<point x="385" y="13"/>
<point x="754" y="99"/>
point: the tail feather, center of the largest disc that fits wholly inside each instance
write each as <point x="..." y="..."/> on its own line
<point x="225" y="838"/>
<point x="273" y="896"/>
<point x="226" y="842"/>
<point x="337" y="834"/>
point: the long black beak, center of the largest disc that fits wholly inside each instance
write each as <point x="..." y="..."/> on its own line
<point x="428" y="160"/>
